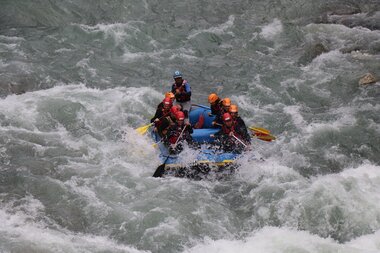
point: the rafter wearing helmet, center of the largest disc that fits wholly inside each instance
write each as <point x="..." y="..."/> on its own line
<point x="182" y="92"/>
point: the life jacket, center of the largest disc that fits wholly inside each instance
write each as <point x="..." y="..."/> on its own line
<point x="241" y="129"/>
<point x="229" y="143"/>
<point x="219" y="111"/>
<point x="217" y="107"/>
<point x="174" y="133"/>
<point x="165" y="125"/>
<point x="227" y="130"/>
<point x="183" y="96"/>
<point x="164" y="113"/>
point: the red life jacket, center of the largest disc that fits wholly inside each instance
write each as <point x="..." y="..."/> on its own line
<point x="165" y="113"/>
<point x="216" y="109"/>
<point x="227" y="130"/>
<point x="182" y="96"/>
<point x="175" y="132"/>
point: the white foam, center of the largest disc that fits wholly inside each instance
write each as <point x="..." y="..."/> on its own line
<point x="367" y="242"/>
<point x="118" y="31"/>
<point x="270" y="31"/>
<point x="271" y="169"/>
<point x="345" y="117"/>
<point x="341" y="35"/>
<point x="101" y="112"/>
<point x="11" y="38"/>
<point x="63" y="50"/>
<point x="294" y="112"/>
<point x="274" y="240"/>
<point x="84" y="63"/>
<point x="363" y="172"/>
<point x="219" y="30"/>
<point x="21" y="229"/>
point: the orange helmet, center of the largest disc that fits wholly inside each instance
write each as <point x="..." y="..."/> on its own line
<point x="169" y="94"/>
<point x="212" y="98"/>
<point x="226" y="101"/>
<point x="233" y="108"/>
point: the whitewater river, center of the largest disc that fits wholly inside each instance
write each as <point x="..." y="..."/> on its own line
<point x="77" y="77"/>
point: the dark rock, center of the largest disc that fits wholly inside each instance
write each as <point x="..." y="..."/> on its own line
<point x="16" y="89"/>
<point x="311" y="52"/>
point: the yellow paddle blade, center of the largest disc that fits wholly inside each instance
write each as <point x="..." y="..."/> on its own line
<point x="260" y="130"/>
<point x="262" y="134"/>
<point x="266" y="137"/>
<point x="142" y="130"/>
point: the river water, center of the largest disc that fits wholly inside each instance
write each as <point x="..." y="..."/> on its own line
<point x="77" y="77"/>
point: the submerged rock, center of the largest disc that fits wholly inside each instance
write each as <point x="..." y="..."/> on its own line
<point x="367" y="79"/>
<point x="311" y="52"/>
<point x="16" y="89"/>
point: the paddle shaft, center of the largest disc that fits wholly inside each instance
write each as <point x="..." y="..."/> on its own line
<point x="179" y="137"/>
<point x="242" y="143"/>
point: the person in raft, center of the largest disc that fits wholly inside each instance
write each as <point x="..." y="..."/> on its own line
<point x="239" y="124"/>
<point x="182" y="92"/>
<point x="229" y="136"/>
<point x="226" y="103"/>
<point x="163" y="107"/>
<point x="178" y="133"/>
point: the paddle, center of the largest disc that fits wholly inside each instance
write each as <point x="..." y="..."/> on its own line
<point x="143" y="129"/>
<point x="242" y="143"/>
<point x="156" y="143"/>
<point x="161" y="169"/>
<point x="262" y="133"/>
<point x="260" y="130"/>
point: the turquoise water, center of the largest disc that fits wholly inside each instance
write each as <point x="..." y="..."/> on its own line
<point x="77" y="77"/>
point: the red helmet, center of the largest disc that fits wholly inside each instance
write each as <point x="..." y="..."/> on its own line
<point x="174" y="110"/>
<point x="167" y="101"/>
<point x="180" y="115"/>
<point x="226" y="117"/>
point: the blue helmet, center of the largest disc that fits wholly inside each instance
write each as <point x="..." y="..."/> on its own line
<point x="177" y="74"/>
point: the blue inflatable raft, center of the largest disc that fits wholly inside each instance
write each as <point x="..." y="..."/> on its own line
<point x="209" y="162"/>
